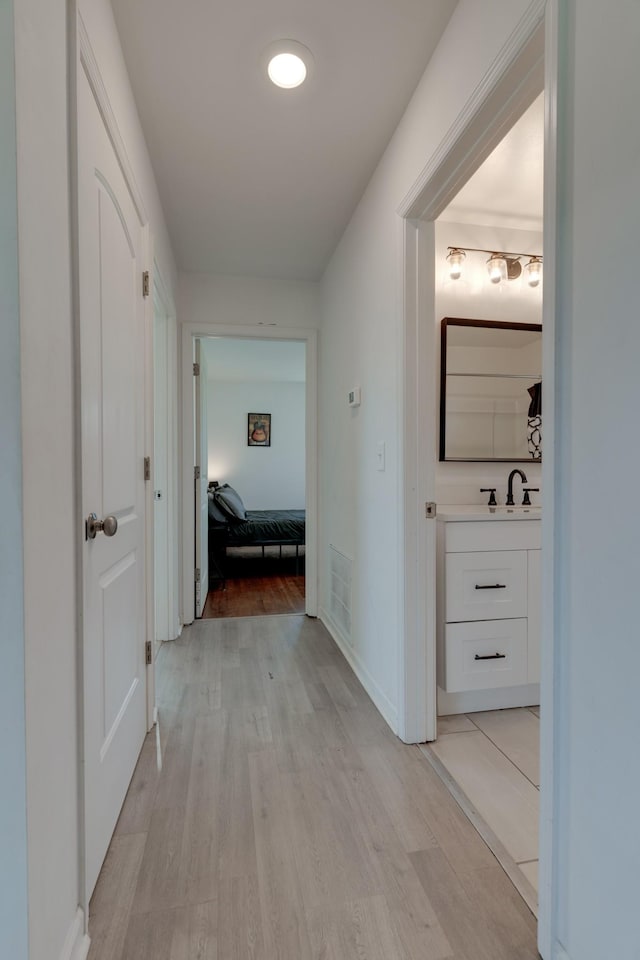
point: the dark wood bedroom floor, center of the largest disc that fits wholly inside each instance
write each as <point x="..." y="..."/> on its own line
<point x="255" y="588"/>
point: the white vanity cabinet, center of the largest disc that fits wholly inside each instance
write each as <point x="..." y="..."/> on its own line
<point x="488" y="613"/>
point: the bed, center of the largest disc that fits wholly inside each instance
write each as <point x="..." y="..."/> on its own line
<point x="231" y="525"/>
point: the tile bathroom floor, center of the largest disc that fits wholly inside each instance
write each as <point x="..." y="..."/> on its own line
<point x="493" y="759"/>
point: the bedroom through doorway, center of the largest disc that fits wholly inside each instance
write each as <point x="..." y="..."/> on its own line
<point x="250" y="509"/>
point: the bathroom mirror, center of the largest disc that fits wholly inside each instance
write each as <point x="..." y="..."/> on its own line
<point x="490" y="391"/>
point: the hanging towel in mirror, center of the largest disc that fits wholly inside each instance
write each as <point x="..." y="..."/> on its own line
<point x="535" y="407"/>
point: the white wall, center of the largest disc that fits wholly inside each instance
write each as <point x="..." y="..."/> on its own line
<point x="51" y="526"/>
<point x="13" y="820"/>
<point x="267" y="478"/>
<point x="597" y="556"/>
<point x="361" y="343"/>
<point x="50" y="522"/>
<point x="205" y="299"/>
<point x="473" y="297"/>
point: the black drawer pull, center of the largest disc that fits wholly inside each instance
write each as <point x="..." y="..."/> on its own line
<point x="491" y="586"/>
<point x="491" y="656"/>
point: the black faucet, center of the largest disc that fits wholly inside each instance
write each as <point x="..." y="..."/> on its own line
<point x="510" y="487"/>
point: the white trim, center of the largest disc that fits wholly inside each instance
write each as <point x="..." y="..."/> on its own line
<point x="551" y="484"/>
<point x="190" y="332"/>
<point x="163" y="301"/>
<point x="480" y="105"/>
<point x="417" y="653"/>
<point x="380" y="699"/>
<point x="77" y="942"/>
<point x="99" y="90"/>
<point x="559" y="953"/>
<point x="149" y="505"/>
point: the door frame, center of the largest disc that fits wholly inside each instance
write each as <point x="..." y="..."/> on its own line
<point x="200" y="501"/>
<point x="14" y="911"/>
<point x="163" y="305"/>
<point x="82" y="58"/>
<point x="528" y="63"/>
<point x="191" y="332"/>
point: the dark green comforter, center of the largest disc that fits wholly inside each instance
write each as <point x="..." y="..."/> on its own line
<point x="262" y="527"/>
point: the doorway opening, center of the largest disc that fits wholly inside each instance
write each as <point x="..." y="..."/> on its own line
<point x="488" y="491"/>
<point x="254" y="466"/>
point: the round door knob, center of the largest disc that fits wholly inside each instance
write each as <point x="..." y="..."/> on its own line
<point x="108" y="526"/>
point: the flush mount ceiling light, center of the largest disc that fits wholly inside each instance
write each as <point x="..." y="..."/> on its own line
<point x="288" y="63"/>
<point x="500" y="265"/>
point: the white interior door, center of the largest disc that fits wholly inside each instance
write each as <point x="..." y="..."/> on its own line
<point x="112" y="408"/>
<point x="162" y="587"/>
<point x="201" y="481"/>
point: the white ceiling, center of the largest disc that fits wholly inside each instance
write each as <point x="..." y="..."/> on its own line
<point x="507" y="190"/>
<point x="254" y="361"/>
<point x="255" y="180"/>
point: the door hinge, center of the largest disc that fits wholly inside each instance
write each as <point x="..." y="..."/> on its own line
<point x="147" y="468"/>
<point x="197" y="574"/>
<point x="146" y="284"/>
<point x="196" y="473"/>
<point x="196" y="369"/>
<point x="148" y="653"/>
<point x="430" y="510"/>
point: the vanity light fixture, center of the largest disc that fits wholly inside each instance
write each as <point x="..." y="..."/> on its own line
<point x="497" y="268"/>
<point x="501" y="265"/>
<point x="288" y="63"/>
<point x="455" y="259"/>
<point x="533" y="271"/>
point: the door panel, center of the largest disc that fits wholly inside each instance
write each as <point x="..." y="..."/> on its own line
<point x="112" y="405"/>
<point x="118" y="270"/>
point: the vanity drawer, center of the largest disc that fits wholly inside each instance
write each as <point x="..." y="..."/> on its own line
<point x="486" y="586"/>
<point x="484" y="655"/>
<point x="493" y="535"/>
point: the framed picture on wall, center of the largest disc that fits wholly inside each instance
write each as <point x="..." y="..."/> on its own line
<point x="259" y="429"/>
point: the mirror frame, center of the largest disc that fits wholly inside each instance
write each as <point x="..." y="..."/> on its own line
<point x="460" y="322"/>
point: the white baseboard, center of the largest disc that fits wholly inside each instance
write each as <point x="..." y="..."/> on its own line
<point x="499" y="698"/>
<point x="380" y="699"/>
<point x="559" y="952"/>
<point x="77" y="942"/>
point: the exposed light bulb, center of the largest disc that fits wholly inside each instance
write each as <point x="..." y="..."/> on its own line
<point x="533" y="271"/>
<point x="455" y="259"/>
<point x="497" y="268"/>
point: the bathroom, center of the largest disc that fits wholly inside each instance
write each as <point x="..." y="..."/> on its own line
<point x="488" y="299"/>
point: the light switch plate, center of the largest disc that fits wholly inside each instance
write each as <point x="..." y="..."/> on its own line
<point x="354" y="397"/>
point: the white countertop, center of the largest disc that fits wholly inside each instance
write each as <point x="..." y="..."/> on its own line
<point x="476" y="511"/>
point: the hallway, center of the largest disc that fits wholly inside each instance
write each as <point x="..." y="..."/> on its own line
<point x="288" y="823"/>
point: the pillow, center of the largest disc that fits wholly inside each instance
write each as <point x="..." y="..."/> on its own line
<point x="230" y="502"/>
<point x="215" y="513"/>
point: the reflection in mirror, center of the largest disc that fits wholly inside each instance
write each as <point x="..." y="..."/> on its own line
<point x="490" y="391"/>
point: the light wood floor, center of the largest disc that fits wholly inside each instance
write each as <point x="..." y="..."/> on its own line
<point x="288" y="823"/>
<point x="495" y="759"/>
